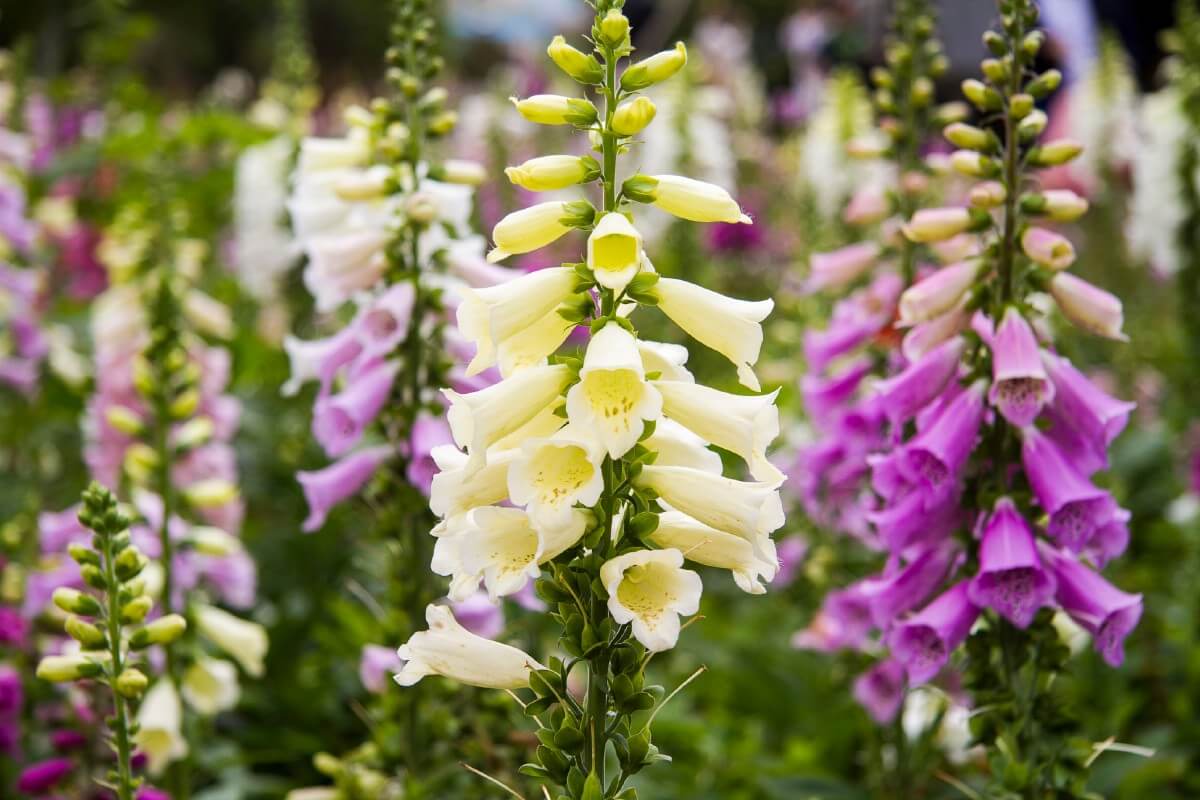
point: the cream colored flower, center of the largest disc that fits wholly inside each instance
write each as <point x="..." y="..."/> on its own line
<point x="245" y="641"/>
<point x="159" y="734"/>
<point x="743" y="424"/>
<point x="554" y="474"/>
<point x="713" y="548"/>
<point x="450" y="650"/>
<point x="614" y="251"/>
<point x="650" y="590"/>
<point x="210" y="685"/>
<point x="612" y="399"/>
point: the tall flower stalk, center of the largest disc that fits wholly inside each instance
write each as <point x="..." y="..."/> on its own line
<point x="584" y="449"/>
<point x="116" y="600"/>
<point x="986" y="505"/>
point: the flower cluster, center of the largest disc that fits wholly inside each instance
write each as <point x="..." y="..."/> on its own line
<point x="986" y="495"/>
<point x="594" y="474"/>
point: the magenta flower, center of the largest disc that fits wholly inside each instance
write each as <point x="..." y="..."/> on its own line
<point x="823" y="396"/>
<point x="339" y="420"/>
<point x="924" y="642"/>
<point x="1020" y="388"/>
<point x="319" y="359"/>
<point x="43" y="776"/>
<point x="936" y="456"/>
<point x="376" y="666"/>
<point x="917" y="386"/>
<point x="880" y="690"/>
<point x="12" y="693"/>
<point x="1077" y="509"/>
<point x="1011" y="578"/>
<point x="1101" y="608"/>
<point x="1097" y="415"/>
<point x="907" y="588"/>
<point x="428" y="432"/>
<point x="843" y="621"/>
<point x="13" y="627"/>
<point x="480" y="615"/>
<point x="325" y="488"/>
<point x="383" y="323"/>
<point x="840" y="267"/>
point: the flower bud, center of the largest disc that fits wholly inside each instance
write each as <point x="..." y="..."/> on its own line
<point x="60" y="669"/>
<point x="125" y="420"/>
<point x="443" y="123"/>
<point x="1088" y="306"/>
<point x="550" y="173"/>
<point x="580" y="66"/>
<point x="974" y="165"/>
<point x="655" y="69"/>
<point x="129" y="563"/>
<point x="1032" y="126"/>
<point x="1021" y="105"/>
<point x="949" y="113"/>
<point x="938" y="224"/>
<point x="461" y="171"/>
<point x="1045" y="83"/>
<point x="553" y="109"/>
<point x="194" y="433"/>
<point x="1032" y="43"/>
<point x="994" y="70"/>
<point x="1056" y="153"/>
<point x="185" y="404"/>
<point x="922" y="92"/>
<point x="210" y="493"/>
<point x="640" y="188"/>
<point x="1060" y="205"/>
<point x="982" y="96"/>
<point x="208" y="315"/>
<point x="868" y="146"/>
<point x="131" y="683"/>
<point x="357" y="187"/>
<point x="163" y="630"/>
<point x="136" y="609"/>
<point x="143" y="376"/>
<point x="968" y="137"/>
<point x="988" y="194"/>
<point x="1048" y="248"/>
<point x="74" y="601"/>
<point x="93" y="577"/>
<point x="421" y="208"/>
<point x="212" y="541"/>
<point x="633" y="115"/>
<point x="85" y="633"/>
<point x="995" y="43"/>
<point x="83" y="555"/>
<point x="614" y="29"/>
<point x="140" y="461"/>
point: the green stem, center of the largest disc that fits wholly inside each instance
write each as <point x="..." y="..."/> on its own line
<point x="1012" y="180"/>
<point x="121" y="723"/>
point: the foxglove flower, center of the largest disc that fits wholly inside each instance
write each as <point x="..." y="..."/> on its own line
<point x="924" y="642"/>
<point x="449" y="649"/>
<point x="1011" y="578"/>
<point x="1020" y="388"/>
<point x="1103" y="610"/>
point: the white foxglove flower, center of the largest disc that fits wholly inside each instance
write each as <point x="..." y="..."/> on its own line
<point x="263" y="248"/>
<point x="533" y="345"/>
<point x="696" y="201"/>
<point x="1158" y="209"/>
<point x="742" y="424"/>
<point x="749" y="510"/>
<point x="614" y="251"/>
<point x="612" y="399"/>
<point x="676" y="446"/>
<point x="210" y="685"/>
<point x="450" y="650"/>
<point x="651" y="590"/>
<point x="529" y="229"/>
<point x="341" y="265"/>
<point x="481" y="419"/>
<point x="455" y="492"/>
<point x="666" y="359"/>
<point x="713" y="548"/>
<point x="488" y="317"/>
<point x="245" y="641"/>
<point x="320" y="154"/>
<point x="731" y="327"/>
<point x="159" y="735"/>
<point x="554" y="474"/>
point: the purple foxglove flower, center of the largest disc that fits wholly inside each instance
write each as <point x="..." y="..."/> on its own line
<point x="726" y="237"/>
<point x="1077" y="509"/>
<point x="1101" y="608"/>
<point x="20" y="374"/>
<point x="10" y="738"/>
<point x="479" y="615"/>
<point x="880" y="690"/>
<point x="924" y="642"/>
<point x="1011" y="578"/>
<point x="428" y="432"/>
<point x="840" y="267"/>
<point x="339" y="420"/>
<point x="843" y="621"/>
<point x="12" y="693"/>
<point x="1109" y="540"/>
<point x="1093" y="412"/>
<point x="917" y="386"/>
<point x="319" y="359"/>
<point x="1069" y="439"/>
<point x="527" y="598"/>
<point x="325" y="488"/>
<point x="925" y="336"/>
<point x="822" y="347"/>
<point x="67" y="740"/>
<point x="824" y="395"/>
<point x="1020" y="388"/>
<point x="376" y="666"/>
<point x="13" y="627"/>
<point x="58" y="529"/>
<point x="43" y="776"/>
<point x="383" y="324"/>
<point x="936" y="456"/>
<point x="234" y="577"/>
<point x="907" y="588"/>
<point x="939" y="293"/>
<point x="150" y="793"/>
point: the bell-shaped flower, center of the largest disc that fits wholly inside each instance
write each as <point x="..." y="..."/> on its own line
<point x="906" y="588"/>
<point x="1097" y="415"/>
<point x="325" y="488"/>
<point x="713" y="548"/>
<point x="867" y="206"/>
<point x="676" y="446"/>
<point x="450" y="650"/>
<point x="1047" y="248"/>
<point x="939" y="293"/>
<point x="529" y="229"/>
<point x="245" y="641"/>
<point x="825" y="396"/>
<point x="1088" y="306"/>
<point x="1076" y="508"/>
<point x="552" y="475"/>
<point x="1020" y="387"/>
<point x="489" y="317"/>
<point x="880" y="690"/>
<point x="481" y="419"/>
<point x="384" y="321"/>
<point x="319" y="359"/>
<point x="742" y="424"/>
<point x="340" y="265"/>
<point x="650" y="590"/>
<point x="339" y="420"/>
<point x="934" y="458"/>
<point x="374" y="665"/>
<point x="1011" y="578"/>
<point x="923" y="643"/>
<point x="1101" y="608"/>
<point x="695" y="200"/>
<point x="838" y="268"/>
<point x="668" y="360"/>
<point x="924" y="336"/>
<point x="921" y="382"/>
<point x="612" y="400"/>
<point x="533" y="345"/>
<point x="917" y="516"/>
<point x="843" y="622"/>
<point x="454" y="491"/>
<point x="318" y="154"/>
<point x="750" y="510"/>
<point x="731" y="327"/>
<point x="160" y="736"/>
<point x="614" y="251"/>
<point x="210" y="685"/>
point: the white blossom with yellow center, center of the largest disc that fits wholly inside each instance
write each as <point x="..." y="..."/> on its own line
<point x="450" y="650"/>
<point x="649" y="590"/>
<point x="676" y="446"/>
<point x="612" y="399"/>
<point x="614" y="251"/>
<point x="454" y="492"/>
<point x="713" y="548"/>
<point x="489" y="318"/>
<point x="554" y="474"/>
<point x="160" y="736"/>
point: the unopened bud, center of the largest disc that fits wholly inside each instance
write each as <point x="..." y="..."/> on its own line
<point x="922" y="92"/>
<point x="60" y="669"/>
<point x="640" y="188"/>
<point x="614" y="29"/>
<point x="633" y="115"/>
<point x="655" y="69"/>
<point x="995" y="70"/>
<point x="988" y="194"/>
<point x="212" y="541"/>
<point x="968" y="137"/>
<point x="185" y="404"/>
<point x="1032" y="43"/>
<point x="949" y="113"/>
<point x="356" y="187"/>
<point x="136" y="610"/>
<point x="143" y="376"/>
<point x="1062" y="205"/>
<point x="443" y="123"/>
<point x="552" y="109"/>
<point x="85" y="633"/>
<point x="93" y="577"/>
<point x="461" y="171"/>
<point x="1056" y="153"/>
<point x="995" y="43"/>
<point x="421" y="208"/>
<point x="549" y="173"/>
<point x="74" y="601"/>
<point x="194" y="433"/>
<point x="579" y="65"/>
<point x="83" y="555"/>
<point x="210" y="493"/>
<point x="974" y="165"/>
<point x="1045" y="83"/>
<point x="982" y="96"/>
<point x="131" y="683"/>
<point x="129" y="563"/>
<point x="1032" y="126"/>
<point x="163" y="630"/>
<point x="125" y="420"/>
